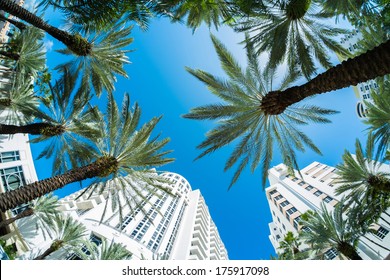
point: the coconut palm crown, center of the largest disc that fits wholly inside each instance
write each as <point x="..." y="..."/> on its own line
<point x="326" y="230"/>
<point x="66" y="233"/>
<point x="360" y="176"/>
<point x="71" y="123"/>
<point x="292" y="32"/>
<point x="378" y="116"/>
<point x="105" y="251"/>
<point x="241" y="116"/>
<point x="106" y="59"/>
<point x="124" y="157"/>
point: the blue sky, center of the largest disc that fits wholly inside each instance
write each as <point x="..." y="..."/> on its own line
<point x="161" y="86"/>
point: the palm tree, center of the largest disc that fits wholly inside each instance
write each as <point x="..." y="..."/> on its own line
<point x="19" y="102"/>
<point x="326" y="230"/>
<point x="372" y="64"/>
<point x="104" y="251"/>
<point x="292" y="32"/>
<point x="104" y="61"/>
<point x="29" y="48"/>
<point x="242" y="117"/>
<point x="44" y="209"/>
<point x="100" y="56"/>
<point x="121" y="150"/>
<point x="196" y="12"/>
<point x="25" y="52"/>
<point x="378" y="117"/>
<point x="289" y="248"/>
<point x="20" y="25"/>
<point x="360" y="177"/>
<point x="66" y="232"/>
<point x="66" y="120"/>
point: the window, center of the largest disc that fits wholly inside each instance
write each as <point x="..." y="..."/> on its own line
<point x="9" y="156"/>
<point x="271" y="193"/>
<point x="290" y="211"/>
<point x="277" y="237"/>
<point x="278" y="220"/>
<point x="12" y="178"/>
<point x="328" y="199"/>
<point x="273" y="213"/>
<point x="382" y="232"/>
<point x="284" y="227"/>
<point x="330" y="254"/>
<point x="309" y="187"/>
<point x="301" y="183"/>
<point x="294" y="179"/>
<point x="318" y="193"/>
<point x="296" y="222"/>
<point x="278" y="197"/>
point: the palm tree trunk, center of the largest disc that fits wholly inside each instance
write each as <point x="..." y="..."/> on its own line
<point x="24" y="214"/>
<point x="349" y="251"/>
<point x="20" y="25"/>
<point x="75" y="43"/>
<point x="34" y="128"/>
<point x="10" y="55"/>
<point x="372" y="64"/>
<point x="48" y="251"/>
<point x="13" y="198"/>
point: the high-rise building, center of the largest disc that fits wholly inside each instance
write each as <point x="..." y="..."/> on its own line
<point x="289" y="196"/>
<point x="175" y="226"/>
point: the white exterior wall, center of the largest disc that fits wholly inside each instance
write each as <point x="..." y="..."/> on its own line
<point x="181" y="230"/>
<point x="293" y="189"/>
<point x="16" y="143"/>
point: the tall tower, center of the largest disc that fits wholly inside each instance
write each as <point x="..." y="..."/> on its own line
<point x="175" y="226"/>
<point x="289" y="196"/>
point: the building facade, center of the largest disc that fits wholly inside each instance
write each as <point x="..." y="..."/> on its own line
<point x="175" y="226"/>
<point x="16" y="169"/>
<point x="289" y="196"/>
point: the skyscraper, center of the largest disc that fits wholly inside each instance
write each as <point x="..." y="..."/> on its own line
<point x="289" y="196"/>
<point x="170" y="226"/>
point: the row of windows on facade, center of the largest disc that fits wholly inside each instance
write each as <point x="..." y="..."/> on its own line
<point x="368" y="86"/>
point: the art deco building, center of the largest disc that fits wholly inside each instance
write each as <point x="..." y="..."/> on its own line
<point x="176" y="226"/>
<point x="289" y="196"/>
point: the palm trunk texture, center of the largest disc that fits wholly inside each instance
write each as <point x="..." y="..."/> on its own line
<point x="348" y="251"/>
<point x="372" y="64"/>
<point x="48" y="251"/>
<point x="34" y="128"/>
<point x="20" y="25"/>
<point x="10" y="55"/>
<point x="75" y="43"/>
<point x="12" y="199"/>
<point x="24" y="214"/>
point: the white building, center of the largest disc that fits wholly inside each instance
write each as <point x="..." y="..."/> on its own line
<point x="290" y="196"/>
<point x="363" y="90"/>
<point x="16" y="169"/>
<point x="176" y="227"/>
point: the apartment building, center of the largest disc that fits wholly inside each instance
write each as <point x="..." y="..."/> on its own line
<point x="175" y="226"/>
<point x="289" y="196"/>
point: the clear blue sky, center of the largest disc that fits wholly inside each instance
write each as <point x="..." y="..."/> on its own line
<point x="159" y="83"/>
